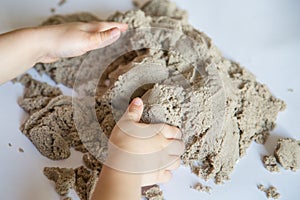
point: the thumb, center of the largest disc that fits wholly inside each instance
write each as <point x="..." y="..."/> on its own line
<point x="105" y="38"/>
<point x="135" y="110"/>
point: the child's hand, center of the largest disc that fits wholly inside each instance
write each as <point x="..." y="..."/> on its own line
<point x="75" y="39"/>
<point x="151" y="150"/>
<point x="136" y="149"/>
<point x="21" y="49"/>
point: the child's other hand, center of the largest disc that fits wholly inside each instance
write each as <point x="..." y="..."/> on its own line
<point x="47" y="44"/>
<point x="154" y="148"/>
<point x="75" y="39"/>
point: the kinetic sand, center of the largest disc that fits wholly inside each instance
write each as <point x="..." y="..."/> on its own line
<point x="250" y="110"/>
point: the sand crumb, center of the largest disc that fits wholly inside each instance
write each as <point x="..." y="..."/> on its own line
<point x="270" y="192"/>
<point x="270" y="163"/>
<point x="202" y="188"/>
<point x="52" y="10"/>
<point x="62" y="2"/>
<point x="153" y="193"/>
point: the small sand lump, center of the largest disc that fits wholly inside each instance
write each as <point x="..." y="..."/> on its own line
<point x="287" y="153"/>
<point x="91" y="162"/>
<point x="62" y="2"/>
<point x="81" y="179"/>
<point x="202" y="188"/>
<point x="85" y="182"/>
<point x="154" y="193"/>
<point x="271" y="192"/>
<point x="64" y="178"/>
<point x="50" y="125"/>
<point x="270" y="163"/>
<point x="36" y="94"/>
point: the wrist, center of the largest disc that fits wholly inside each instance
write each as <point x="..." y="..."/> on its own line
<point x="42" y="41"/>
<point x="113" y="185"/>
<point x="35" y="42"/>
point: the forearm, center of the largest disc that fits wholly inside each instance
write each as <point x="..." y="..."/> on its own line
<point x="19" y="51"/>
<point x="116" y="185"/>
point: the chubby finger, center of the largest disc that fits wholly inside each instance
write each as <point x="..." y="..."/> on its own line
<point x="174" y="165"/>
<point x="105" y="38"/>
<point x="135" y="109"/>
<point x="108" y="25"/>
<point x="175" y="147"/>
<point x="161" y="176"/>
<point x="49" y="60"/>
<point x="104" y="26"/>
<point x="171" y="132"/>
<point x="165" y="176"/>
<point x="129" y="122"/>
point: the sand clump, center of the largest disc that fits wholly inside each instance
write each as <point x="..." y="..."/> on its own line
<point x="271" y="163"/>
<point x="287" y="154"/>
<point x="178" y="95"/>
<point x="81" y="179"/>
<point x="153" y="193"/>
<point x="202" y="188"/>
<point x="64" y="179"/>
<point x="52" y="130"/>
<point x="271" y="192"/>
<point x="36" y="95"/>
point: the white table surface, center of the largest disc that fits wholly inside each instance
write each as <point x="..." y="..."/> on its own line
<point x="263" y="35"/>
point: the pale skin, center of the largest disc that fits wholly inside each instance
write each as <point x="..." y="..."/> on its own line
<point x="21" y="49"/>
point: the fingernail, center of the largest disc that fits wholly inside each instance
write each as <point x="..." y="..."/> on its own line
<point x="115" y="32"/>
<point x="137" y="102"/>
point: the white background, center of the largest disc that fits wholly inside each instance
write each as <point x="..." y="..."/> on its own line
<point x="263" y="35"/>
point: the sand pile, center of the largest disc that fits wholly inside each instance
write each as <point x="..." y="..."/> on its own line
<point x="216" y="135"/>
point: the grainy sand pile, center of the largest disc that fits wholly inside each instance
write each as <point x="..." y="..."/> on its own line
<point x="248" y="114"/>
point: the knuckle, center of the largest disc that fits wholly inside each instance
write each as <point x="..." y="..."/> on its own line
<point x="178" y="162"/>
<point x="78" y="24"/>
<point x="167" y="130"/>
<point x="176" y="147"/>
<point x="171" y="131"/>
<point x="177" y="132"/>
<point x="133" y="114"/>
<point x="182" y="146"/>
<point x="168" y="175"/>
<point x="164" y="176"/>
<point x="176" y="165"/>
<point x="102" y="36"/>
